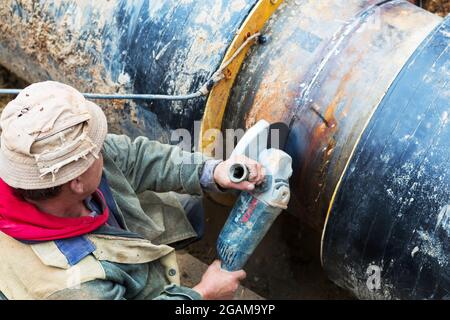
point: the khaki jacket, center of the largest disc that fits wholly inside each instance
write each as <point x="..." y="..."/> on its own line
<point x="134" y="263"/>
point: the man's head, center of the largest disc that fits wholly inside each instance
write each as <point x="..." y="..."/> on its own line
<point x="51" y="140"/>
<point x="78" y="188"/>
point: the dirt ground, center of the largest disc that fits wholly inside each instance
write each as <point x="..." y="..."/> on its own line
<point x="9" y="81"/>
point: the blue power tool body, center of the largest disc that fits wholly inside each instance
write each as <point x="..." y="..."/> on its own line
<point x="254" y="212"/>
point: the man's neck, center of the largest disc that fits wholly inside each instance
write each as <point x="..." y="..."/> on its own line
<point x="62" y="208"/>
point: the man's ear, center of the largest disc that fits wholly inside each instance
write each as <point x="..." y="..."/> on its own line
<point x="76" y="186"/>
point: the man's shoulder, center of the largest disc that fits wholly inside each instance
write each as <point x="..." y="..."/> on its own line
<point x="117" y="138"/>
<point x="119" y="141"/>
<point x="115" y="145"/>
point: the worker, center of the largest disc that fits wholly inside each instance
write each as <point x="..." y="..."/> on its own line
<point x="90" y="215"/>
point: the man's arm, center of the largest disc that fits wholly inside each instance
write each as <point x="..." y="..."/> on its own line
<point x="108" y="290"/>
<point x="151" y="165"/>
<point x="216" y="283"/>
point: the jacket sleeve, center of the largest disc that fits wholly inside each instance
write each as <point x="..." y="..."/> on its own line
<point x="108" y="290"/>
<point x="174" y="292"/>
<point x="151" y="165"/>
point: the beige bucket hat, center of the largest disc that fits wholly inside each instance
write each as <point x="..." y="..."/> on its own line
<point x="50" y="135"/>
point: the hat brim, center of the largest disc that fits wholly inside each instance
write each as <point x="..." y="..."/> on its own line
<point x="25" y="174"/>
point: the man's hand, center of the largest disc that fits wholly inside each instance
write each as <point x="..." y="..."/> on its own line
<point x="256" y="174"/>
<point x="219" y="284"/>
